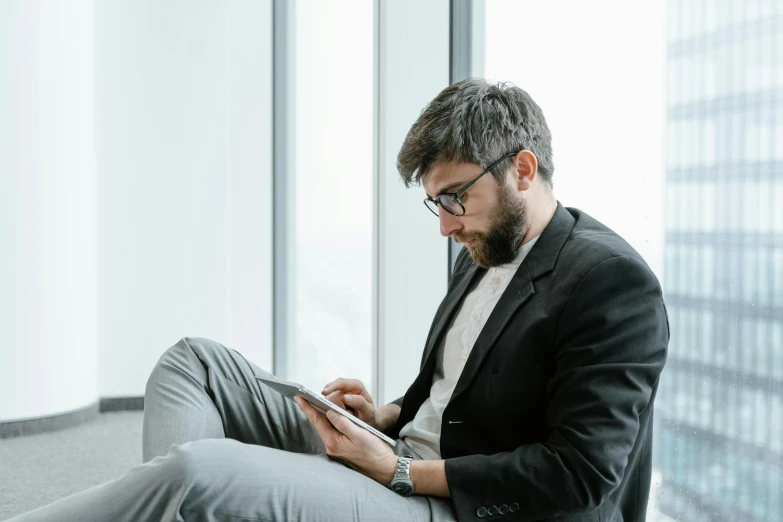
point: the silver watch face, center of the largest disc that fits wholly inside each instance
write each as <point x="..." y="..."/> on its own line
<point x="403" y="487"/>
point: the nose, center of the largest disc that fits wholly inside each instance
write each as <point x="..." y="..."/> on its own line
<point x="449" y="223"/>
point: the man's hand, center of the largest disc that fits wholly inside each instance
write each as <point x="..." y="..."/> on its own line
<point x="352" y="396"/>
<point x="351" y="445"/>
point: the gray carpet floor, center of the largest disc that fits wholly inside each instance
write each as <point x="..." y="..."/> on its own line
<point x="38" y="469"/>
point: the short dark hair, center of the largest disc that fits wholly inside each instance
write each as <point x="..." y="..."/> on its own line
<point x="473" y="121"/>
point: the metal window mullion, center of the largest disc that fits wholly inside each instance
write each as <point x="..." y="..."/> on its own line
<point x="283" y="120"/>
<point x="466" y="59"/>
<point x="377" y="211"/>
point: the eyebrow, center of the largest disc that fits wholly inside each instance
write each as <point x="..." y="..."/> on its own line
<point x="448" y="187"/>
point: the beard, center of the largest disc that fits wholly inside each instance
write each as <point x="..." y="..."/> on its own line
<point x="507" y="229"/>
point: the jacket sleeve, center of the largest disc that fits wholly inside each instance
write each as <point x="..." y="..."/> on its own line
<point x="609" y="350"/>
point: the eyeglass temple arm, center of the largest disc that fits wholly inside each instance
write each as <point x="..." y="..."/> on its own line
<point x="470" y="184"/>
<point x="461" y="191"/>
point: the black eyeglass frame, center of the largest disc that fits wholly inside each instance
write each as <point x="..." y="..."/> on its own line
<point x="456" y="195"/>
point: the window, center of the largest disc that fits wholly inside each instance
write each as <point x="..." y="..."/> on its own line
<point x="716" y="156"/>
<point x="332" y="259"/>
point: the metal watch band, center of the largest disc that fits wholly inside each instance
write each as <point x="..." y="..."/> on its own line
<point x="401" y="483"/>
<point x="403" y="467"/>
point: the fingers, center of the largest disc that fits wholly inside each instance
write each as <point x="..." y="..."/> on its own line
<point x="313" y="415"/>
<point x="335" y="384"/>
<point x="325" y="429"/>
<point x="342" y="424"/>
<point x="352" y="386"/>
<point x="322" y="426"/>
<point x="337" y="398"/>
<point x="345" y="426"/>
<point x="364" y="410"/>
<point x="331" y="428"/>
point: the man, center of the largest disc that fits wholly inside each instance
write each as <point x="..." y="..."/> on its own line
<point x="535" y="395"/>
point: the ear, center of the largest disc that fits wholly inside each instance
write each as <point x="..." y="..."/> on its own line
<point x="526" y="169"/>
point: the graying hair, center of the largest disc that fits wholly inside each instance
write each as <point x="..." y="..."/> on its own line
<point x="473" y="121"/>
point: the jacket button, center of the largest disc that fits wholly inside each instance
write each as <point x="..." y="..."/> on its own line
<point x="503" y="509"/>
<point x="492" y="511"/>
<point x="513" y="507"/>
<point x="482" y="512"/>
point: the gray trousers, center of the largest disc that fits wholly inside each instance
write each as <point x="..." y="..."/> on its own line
<point x="219" y="445"/>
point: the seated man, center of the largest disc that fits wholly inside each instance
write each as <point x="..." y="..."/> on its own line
<point x="535" y="395"/>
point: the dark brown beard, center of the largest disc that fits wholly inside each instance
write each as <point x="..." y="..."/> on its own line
<point x="506" y="231"/>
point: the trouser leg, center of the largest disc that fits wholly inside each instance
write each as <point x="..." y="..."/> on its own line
<point x="225" y="480"/>
<point x="274" y="470"/>
<point x="201" y="389"/>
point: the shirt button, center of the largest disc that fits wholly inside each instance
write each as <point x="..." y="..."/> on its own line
<point x="464" y="357"/>
<point x="496" y="280"/>
<point x="475" y="318"/>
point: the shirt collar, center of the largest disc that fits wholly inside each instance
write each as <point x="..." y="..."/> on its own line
<point x="521" y="254"/>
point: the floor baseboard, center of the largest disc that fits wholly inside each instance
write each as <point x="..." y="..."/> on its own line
<point x="69" y="419"/>
<point x="49" y="422"/>
<point x="122" y="404"/>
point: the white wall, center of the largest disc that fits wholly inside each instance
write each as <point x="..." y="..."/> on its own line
<point x="47" y="208"/>
<point x="184" y="170"/>
<point x="135" y="166"/>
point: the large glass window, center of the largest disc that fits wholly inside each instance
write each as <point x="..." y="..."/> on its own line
<point x="332" y="262"/>
<point x="667" y="125"/>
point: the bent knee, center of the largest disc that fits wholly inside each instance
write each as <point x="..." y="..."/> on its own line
<point x="186" y="354"/>
<point x="171" y="366"/>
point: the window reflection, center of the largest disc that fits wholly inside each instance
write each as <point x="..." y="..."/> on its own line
<point x="721" y="407"/>
<point x="719" y="421"/>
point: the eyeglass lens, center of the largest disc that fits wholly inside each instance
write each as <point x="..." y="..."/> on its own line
<point x="447" y="202"/>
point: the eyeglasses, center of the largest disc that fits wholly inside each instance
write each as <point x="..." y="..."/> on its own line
<point x="450" y="201"/>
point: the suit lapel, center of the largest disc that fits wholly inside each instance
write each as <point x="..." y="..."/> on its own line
<point x="518" y="291"/>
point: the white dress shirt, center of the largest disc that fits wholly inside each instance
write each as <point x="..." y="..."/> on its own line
<point x="423" y="432"/>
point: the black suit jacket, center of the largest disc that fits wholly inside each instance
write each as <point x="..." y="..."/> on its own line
<point x="551" y="418"/>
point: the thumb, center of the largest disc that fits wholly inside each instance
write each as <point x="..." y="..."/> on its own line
<point x="343" y="425"/>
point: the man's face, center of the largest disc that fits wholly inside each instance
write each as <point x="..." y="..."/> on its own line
<point x="495" y="219"/>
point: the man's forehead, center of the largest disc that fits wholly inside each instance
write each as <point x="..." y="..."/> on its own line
<point x="446" y="176"/>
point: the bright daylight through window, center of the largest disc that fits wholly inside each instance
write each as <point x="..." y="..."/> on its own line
<point x="667" y="124"/>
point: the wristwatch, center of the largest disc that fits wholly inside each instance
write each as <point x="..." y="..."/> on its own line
<point x="402" y="483"/>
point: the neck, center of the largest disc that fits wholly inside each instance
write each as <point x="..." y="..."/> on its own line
<point x="540" y="214"/>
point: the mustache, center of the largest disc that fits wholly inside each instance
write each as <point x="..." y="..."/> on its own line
<point x="464" y="238"/>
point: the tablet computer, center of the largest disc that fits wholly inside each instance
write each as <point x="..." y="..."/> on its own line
<point x="319" y="402"/>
